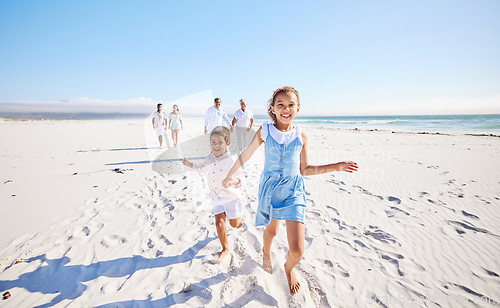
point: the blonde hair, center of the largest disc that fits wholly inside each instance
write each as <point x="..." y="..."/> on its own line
<point x="273" y="100"/>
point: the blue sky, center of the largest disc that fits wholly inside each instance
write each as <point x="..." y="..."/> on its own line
<point x="344" y="57"/>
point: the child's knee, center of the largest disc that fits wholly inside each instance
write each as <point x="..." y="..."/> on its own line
<point x="272" y="232"/>
<point x="296" y="251"/>
<point x="236" y="223"/>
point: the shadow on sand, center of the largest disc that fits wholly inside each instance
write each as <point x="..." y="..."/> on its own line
<point x="115" y="150"/>
<point x="56" y="277"/>
<point x="254" y="292"/>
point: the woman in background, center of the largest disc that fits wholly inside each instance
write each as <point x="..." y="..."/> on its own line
<point x="175" y="124"/>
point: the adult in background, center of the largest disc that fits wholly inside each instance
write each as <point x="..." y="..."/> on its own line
<point x="243" y="122"/>
<point x="216" y="116"/>
<point x="159" y="123"/>
<point x="175" y="124"/>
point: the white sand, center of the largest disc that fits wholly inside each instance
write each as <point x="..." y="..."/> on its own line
<point x="420" y="219"/>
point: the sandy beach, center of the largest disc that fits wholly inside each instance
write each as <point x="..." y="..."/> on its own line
<point x="94" y="214"/>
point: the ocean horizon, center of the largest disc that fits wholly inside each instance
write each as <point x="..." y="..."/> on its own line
<point x="468" y="123"/>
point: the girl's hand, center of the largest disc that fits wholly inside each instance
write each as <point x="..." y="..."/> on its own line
<point x="348" y="166"/>
<point x="186" y="162"/>
<point x="226" y="182"/>
<point x="231" y="182"/>
<point x="237" y="183"/>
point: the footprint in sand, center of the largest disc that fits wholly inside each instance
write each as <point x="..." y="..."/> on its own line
<point x="339" y="223"/>
<point x="469" y="215"/>
<point x="394" y="199"/>
<point x="469" y="226"/>
<point x="316" y="295"/>
<point x="112" y="240"/>
<point x="366" y="192"/>
<point x="333" y="209"/>
<point x="491" y="273"/>
<point x="150" y="244"/>
<point x="394" y="210"/>
<point x="382" y="236"/>
<point x="360" y="243"/>
<point x="164" y="240"/>
<point x="86" y="231"/>
<point x="395" y="262"/>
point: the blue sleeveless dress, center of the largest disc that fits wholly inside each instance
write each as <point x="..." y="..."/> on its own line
<point x="281" y="188"/>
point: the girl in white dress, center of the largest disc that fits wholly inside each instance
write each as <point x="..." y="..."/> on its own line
<point x="175" y="124"/>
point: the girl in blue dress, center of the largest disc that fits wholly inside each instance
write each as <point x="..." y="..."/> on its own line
<point x="281" y="189"/>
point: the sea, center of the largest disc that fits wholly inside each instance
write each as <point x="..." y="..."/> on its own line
<point x="464" y="123"/>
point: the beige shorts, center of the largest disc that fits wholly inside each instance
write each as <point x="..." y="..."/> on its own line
<point x="232" y="208"/>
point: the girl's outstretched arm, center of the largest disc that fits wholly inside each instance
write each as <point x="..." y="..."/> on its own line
<point x="306" y="169"/>
<point x="244" y="157"/>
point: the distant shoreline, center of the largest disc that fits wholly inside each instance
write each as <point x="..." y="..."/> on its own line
<point x="125" y="115"/>
<point x="26" y="116"/>
<point x="37" y="117"/>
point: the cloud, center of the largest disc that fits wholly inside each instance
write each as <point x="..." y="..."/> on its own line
<point x="194" y="104"/>
<point x="84" y="104"/>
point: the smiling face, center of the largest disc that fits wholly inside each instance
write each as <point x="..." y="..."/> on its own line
<point x="286" y="106"/>
<point x="243" y="105"/>
<point x="217" y="103"/>
<point x="218" y="145"/>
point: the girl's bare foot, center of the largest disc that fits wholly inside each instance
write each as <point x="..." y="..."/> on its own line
<point x="293" y="282"/>
<point x="222" y="254"/>
<point x="267" y="263"/>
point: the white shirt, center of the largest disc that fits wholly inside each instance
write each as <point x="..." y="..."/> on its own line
<point x="243" y="117"/>
<point x="215" y="117"/>
<point x="159" y="119"/>
<point x="216" y="169"/>
<point x="279" y="136"/>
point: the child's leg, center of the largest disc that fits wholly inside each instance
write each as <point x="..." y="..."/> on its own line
<point x="234" y="211"/>
<point x="236" y="223"/>
<point x="220" y="225"/>
<point x="295" y="232"/>
<point x="269" y="234"/>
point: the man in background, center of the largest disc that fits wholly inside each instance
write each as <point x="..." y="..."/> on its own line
<point x="216" y="116"/>
<point x="159" y="123"/>
<point x="243" y="122"/>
